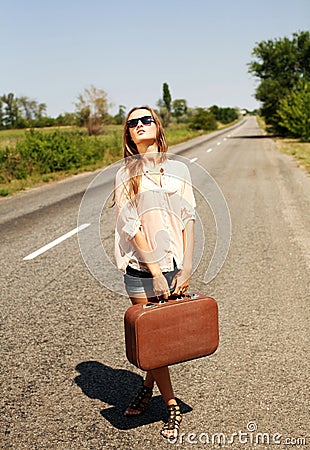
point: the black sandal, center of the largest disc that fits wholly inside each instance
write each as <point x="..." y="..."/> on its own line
<point x="140" y="401"/>
<point x="173" y="423"/>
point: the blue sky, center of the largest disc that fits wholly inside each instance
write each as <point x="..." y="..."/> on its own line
<point x="52" y="50"/>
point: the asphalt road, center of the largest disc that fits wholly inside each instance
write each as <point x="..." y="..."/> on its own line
<point x="64" y="374"/>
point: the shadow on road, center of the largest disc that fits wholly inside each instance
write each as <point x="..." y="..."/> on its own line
<point x="117" y="387"/>
<point x="258" y="136"/>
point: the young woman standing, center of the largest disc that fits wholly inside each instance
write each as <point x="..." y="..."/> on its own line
<point x="154" y="235"/>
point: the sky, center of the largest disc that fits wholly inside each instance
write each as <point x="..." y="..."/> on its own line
<point x="52" y="50"/>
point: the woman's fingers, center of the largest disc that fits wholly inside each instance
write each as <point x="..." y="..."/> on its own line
<point x="160" y="286"/>
<point x="182" y="282"/>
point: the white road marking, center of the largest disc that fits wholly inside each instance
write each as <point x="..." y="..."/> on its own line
<point x="55" y="242"/>
<point x="218" y="143"/>
<point x="193" y="160"/>
<point x="225" y="139"/>
<point x="209" y="150"/>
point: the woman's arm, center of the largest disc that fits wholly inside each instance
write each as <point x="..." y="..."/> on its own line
<point x="160" y="284"/>
<point x="188" y="246"/>
<point x="145" y="253"/>
<point x="182" y="278"/>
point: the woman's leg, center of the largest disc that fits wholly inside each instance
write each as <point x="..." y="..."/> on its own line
<point x="161" y="376"/>
<point x="163" y="381"/>
<point x="142" y="300"/>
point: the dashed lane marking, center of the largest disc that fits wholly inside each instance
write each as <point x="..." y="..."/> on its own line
<point x="55" y="242"/>
<point x="193" y="160"/>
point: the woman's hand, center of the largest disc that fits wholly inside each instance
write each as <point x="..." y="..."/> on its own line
<point x="160" y="286"/>
<point x="180" y="282"/>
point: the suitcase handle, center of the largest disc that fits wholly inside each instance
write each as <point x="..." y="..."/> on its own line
<point x="180" y="297"/>
<point x="149" y="305"/>
<point x="192" y="296"/>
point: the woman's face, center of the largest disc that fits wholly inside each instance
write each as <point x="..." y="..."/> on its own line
<point x="142" y="133"/>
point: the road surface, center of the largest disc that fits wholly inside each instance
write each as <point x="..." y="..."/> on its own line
<point x="65" y="378"/>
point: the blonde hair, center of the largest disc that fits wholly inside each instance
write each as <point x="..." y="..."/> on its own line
<point x="133" y="161"/>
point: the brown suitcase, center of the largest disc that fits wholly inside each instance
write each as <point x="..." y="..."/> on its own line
<point x="161" y="334"/>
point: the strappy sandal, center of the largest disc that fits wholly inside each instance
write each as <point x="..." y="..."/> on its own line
<point x="171" y="428"/>
<point x="140" y="401"/>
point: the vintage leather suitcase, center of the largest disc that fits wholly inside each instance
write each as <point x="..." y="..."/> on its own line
<point x="161" y="334"/>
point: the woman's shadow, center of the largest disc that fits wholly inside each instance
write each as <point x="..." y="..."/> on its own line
<point x="117" y="387"/>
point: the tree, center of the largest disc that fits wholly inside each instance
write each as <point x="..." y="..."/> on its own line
<point x="224" y="115"/>
<point x="179" y="108"/>
<point x="1" y="113"/>
<point x="30" y="109"/>
<point x="66" y="119"/>
<point x="279" y="65"/>
<point x="167" y="97"/>
<point x="40" y="111"/>
<point x="294" y="111"/>
<point x="11" y="112"/>
<point x="119" y="118"/>
<point x="92" y="109"/>
<point x="27" y="107"/>
<point x="22" y="112"/>
<point x="202" y="119"/>
<point x="164" y="106"/>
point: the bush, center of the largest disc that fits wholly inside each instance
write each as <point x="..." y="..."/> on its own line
<point x="202" y="119"/>
<point x="294" y="112"/>
<point x="11" y="165"/>
<point x="42" y="153"/>
<point x="224" y="115"/>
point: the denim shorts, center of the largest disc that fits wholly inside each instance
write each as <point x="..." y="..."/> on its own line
<point x="138" y="282"/>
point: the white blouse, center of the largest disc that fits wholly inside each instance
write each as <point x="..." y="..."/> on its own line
<point x="161" y="210"/>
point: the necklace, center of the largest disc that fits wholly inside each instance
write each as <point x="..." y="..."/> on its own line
<point x="154" y="175"/>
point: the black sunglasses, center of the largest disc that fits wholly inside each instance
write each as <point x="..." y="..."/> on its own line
<point x="146" y="120"/>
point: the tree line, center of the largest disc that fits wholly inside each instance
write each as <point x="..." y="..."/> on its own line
<point x="197" y="118"/>
<point x="24" y="112"/>
<point x="92" y="112"/>
<point x="283" y="68"/>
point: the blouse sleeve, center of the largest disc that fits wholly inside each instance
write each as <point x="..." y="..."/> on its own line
<point x="188" y="202"/>
<point x="127" y="222"/>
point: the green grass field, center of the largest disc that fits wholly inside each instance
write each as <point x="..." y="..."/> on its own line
<point x="111" y="141"/>
<point x="299" y="150"/>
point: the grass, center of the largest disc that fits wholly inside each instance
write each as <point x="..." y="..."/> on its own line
<point x="111" y="140"/>
<point x="8" y="138"/>
<point x="11" y="136"/>
<point x="299" y="150"/>
<point x="177" y="133"/>
<point x="35" y="180"/>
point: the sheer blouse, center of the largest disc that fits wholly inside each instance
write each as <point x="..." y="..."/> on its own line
<point x="162" y="208"/>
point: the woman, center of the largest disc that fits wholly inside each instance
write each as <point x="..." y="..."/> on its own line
<point x="154" y="235"/>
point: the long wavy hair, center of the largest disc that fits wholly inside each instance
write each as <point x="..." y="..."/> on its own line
<point x="133" y="160"/>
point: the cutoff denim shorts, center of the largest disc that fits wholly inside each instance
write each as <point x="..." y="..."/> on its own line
<point x="138" y="282"/>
